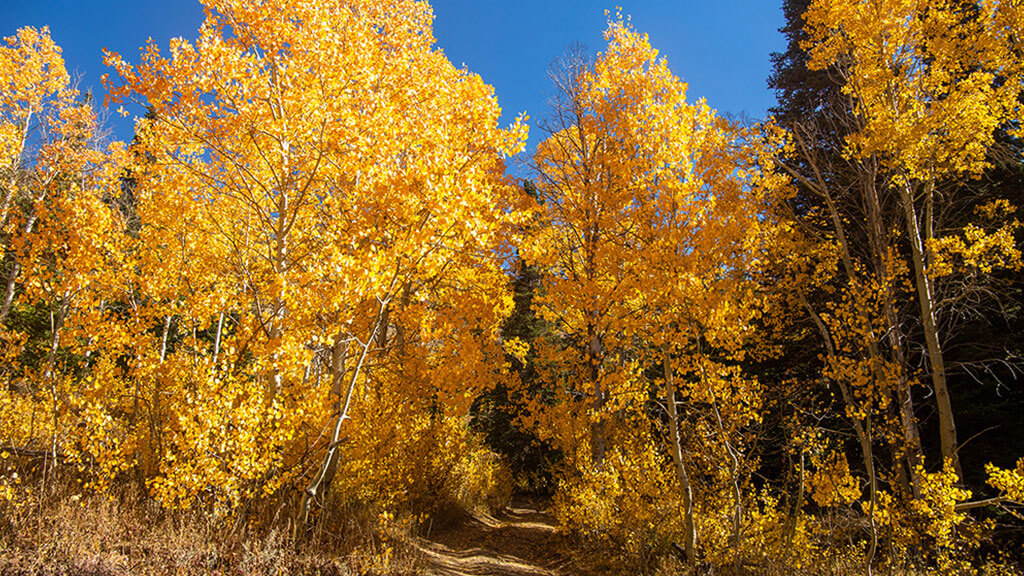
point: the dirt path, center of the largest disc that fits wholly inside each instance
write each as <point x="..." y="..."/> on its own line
<point x="521" y="540"/>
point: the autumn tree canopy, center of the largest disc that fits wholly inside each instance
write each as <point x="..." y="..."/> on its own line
<point x="736" y="345"/>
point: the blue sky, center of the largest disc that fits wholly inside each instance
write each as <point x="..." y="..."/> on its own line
<point x="721" y="48"/>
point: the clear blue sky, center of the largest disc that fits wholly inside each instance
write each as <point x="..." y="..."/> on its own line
<point x="721" y="48"/>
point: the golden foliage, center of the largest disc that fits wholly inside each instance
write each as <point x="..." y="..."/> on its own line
<point x="290" y="287"/>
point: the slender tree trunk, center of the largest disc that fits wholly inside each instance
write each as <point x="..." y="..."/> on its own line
<point x="876" y="232"/>
<point x="163" y="339"/>
<point x="598" y="440"/>
<point x="12" y="279"/>
<point x="689" y="528"/>
<point x="319" y="485"/>
<point x="737" y="494"/>
<point x="382" y="333"/>
<point x="155" y="422"/>
<point x="905" y="402"/>
<point x="7" y="202"/>
<point x="862" y="428"/>
<point x="92" y="339"/>
<point x="280" y="270"/>
<point x="869" y="459"/>
<point x="913" y="454"/>
<point x="274" y="386"/>
<point x="56" y="320"/>
<point x="216" y="339"/>
<point x="798" y="506"/>
<point x="5" y="209"/>
<point x="925" y="296"/>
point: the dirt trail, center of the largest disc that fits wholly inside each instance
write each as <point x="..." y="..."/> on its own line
<point x="521" y="540"/>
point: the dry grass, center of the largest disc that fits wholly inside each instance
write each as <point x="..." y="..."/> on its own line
<point x="124" y="533"/>
<point x="63" y="530"/>
<point x="58" y="526"/>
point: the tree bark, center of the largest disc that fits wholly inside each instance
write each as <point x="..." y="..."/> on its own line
<point x="319" y="485"/>
<point x="56" y="322"/>
<point x="689" y="528"/>
<point x="925" y="296"/>
<point x="876" y="232"/>
<point x="597" y="432"/>
<point x="12" y="279"/>
<point x="216" y="339"/>
<point x="8" y="201"/>
<point x="879" y="246"/>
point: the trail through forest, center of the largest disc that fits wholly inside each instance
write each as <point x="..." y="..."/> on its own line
<point x="521" y="540"/>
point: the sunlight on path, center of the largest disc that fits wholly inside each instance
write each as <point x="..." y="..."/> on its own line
<point x="518" y="541"/>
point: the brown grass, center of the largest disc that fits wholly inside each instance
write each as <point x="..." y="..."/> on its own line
<point x="63" y="530"/>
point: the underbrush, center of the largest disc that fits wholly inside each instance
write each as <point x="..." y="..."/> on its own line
<point x="62" y="531"/>
<point x="623" y="531"/>
<point x="53" y="522"/>
<point x="627" y="517"/>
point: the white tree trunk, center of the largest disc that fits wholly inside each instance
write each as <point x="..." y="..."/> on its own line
<point x="925" y="296"/>
<point x="689" y="528"/>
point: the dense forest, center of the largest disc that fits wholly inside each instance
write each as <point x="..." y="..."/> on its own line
<point x="307" y="317"/>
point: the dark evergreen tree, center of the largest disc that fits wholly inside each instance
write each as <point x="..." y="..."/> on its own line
<point x="496" y="413"/>
<point x="982" y="319"/>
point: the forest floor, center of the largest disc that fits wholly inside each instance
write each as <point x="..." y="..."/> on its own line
<point x="521" y="540"/>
